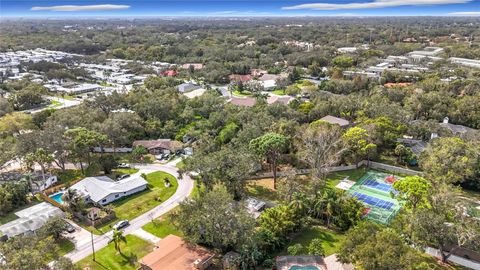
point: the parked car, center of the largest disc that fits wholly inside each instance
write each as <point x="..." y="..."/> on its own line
<point x="123" y="165"/>
<point x="123" y="176"/>
<point x="121" y="224"/>
<point x="69" y="227"/>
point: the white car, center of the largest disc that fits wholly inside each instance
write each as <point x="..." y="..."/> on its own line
<point x="123" y="165"/>
<point x="121" y="224"/>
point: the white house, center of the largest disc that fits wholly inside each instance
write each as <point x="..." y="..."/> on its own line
<point x="30" y="219"/>
<point x="104" y="190"/>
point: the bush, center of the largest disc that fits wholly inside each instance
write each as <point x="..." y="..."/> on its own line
<point x="296" y="249"/>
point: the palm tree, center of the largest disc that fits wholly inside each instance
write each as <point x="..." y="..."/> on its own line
<point x="117" y="238"/>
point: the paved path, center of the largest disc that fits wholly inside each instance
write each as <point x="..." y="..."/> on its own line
<point x="185" y="187"/>
<point x="146" y="236"/>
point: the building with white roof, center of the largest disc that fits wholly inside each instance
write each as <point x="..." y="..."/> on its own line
<point x="465" y="62"/>
<point x="30" y="219"/>
<point x="104" y="190"/>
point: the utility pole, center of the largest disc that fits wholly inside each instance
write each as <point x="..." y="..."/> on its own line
<point x="91" y="236"/>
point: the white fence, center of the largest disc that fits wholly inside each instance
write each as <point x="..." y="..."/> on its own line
<point x="369" y="164"/>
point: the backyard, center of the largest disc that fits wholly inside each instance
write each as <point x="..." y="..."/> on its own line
<point x="108" y="258"/>
<point x="162" y="227"/>
<point x="263" y="188"/>
<point x="137" y="204"/>
<point x="331" y="240"/>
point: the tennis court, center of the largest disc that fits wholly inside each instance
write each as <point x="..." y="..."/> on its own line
<point x="375" y="190"/>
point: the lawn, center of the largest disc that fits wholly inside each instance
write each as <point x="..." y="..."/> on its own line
<point x="280" y="92"/>
<point x="11" y="216"/>
<point x="162" y="227"/>
<point x="241" y="94"/>
<point x="65" y="246"/>
<point x="109" y="258"/>
<point x="68" y="176"/>
<point x="262" y="189"/>
<point x="7" y="218"/>
<point x="353" y="175"/>
<point x="331" y="240"/>
<point x="137" y="204"/>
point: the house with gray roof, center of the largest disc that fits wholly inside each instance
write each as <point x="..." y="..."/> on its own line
<point x="30" y="219"/>
<point x="187" y="87"/>
<point x="336" y="121"/>
<point x="104" y="190"/>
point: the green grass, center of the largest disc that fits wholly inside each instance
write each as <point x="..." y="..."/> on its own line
<point x="334" y="178"/>
<point x="241" y="94"/>
<point x="139" y="203"/>
<point x="181" y="165"/>
<point x="109" y="258"/>
<point x="7" y="218"/>
<point x="280" y="92"/>
<point x="11" y="216"/>
<point x="68" y="176"/>
<point x="331" y="240"/>
<point x="65" y="246"/>
<point x="125" y="171"/>
<point x="162" y="227"/>
<point x="55" y="104"/>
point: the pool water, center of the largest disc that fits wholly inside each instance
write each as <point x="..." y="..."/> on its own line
<point x="305" y="267"/>
<point x="57" y="197"/>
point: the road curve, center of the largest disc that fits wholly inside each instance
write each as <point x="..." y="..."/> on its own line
<point x="185" y="187"/>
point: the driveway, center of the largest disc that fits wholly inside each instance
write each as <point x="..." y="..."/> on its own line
<point x="185" y="187"/>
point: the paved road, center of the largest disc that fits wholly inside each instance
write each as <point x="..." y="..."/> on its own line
<point x="185" y="187"/>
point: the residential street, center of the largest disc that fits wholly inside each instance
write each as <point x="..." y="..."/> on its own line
<point x="185" y="187"/>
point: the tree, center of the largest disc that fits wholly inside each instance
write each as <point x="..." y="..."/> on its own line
<point x="276" y="224"/>
<point x="13" y="123"/>
<point x="404" y="154"/>
<point x="271" y="146"/>
<point x="320" y="146"/>
<point x="295" y="250"/>
<point x="316" y="248"/>
<point x="40" y="157"/>
<point x="73" y="200"/>
<point x="81" y="141"/>
<point x="139" y="152"/>
<point x="413" y="190"/>
<point x="28" y="252"/>
<point x="64" y="263"/>
<point x="215" y="220"/>
<point x="357" y="144"/>
<point x="342" y="61"/>
<point x="444" y="223"/>
<point x="448" y="160"/>
<point x="371" y="247"/>
<point x="54" y="227"/>
<point x="117" y="239"/>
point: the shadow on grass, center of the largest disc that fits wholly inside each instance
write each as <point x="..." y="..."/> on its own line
<point x="129" y="259"/>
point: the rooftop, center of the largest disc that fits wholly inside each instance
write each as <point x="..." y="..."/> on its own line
<point x="172" y="253"/>
<point x="30" y="219"/>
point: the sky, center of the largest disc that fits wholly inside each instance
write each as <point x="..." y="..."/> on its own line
<point x="236" y="8"/>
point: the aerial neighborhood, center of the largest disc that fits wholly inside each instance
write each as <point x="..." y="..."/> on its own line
<point x="287" y="143"/>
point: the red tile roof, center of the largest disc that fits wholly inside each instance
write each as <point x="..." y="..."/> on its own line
<point x="243" y="101"/>
<point x="240" y="78"/>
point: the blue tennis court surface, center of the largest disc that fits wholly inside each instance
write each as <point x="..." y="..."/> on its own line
<point x="376" y="185"/>
<point x="373" y="201"/>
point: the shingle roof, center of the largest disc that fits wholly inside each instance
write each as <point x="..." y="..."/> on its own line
<point x="335" y="120"/>
<point x="100" y="187"/>
<point x="160" y="143"/>
<point x="243" y="101"/>
<point x="172" y="253"/>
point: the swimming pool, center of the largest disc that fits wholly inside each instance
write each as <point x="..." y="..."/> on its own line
<point x="57" y="197"/>
<point x="305" y="267"/>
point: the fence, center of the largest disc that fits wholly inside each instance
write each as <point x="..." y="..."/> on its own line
<point x="366" y="163"/>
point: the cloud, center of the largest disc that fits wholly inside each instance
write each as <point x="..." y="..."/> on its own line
<point x="81" y="8"/>
<point x="465" y="13"/>
<point x="375" y="4"/>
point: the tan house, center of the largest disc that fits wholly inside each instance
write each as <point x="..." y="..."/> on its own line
<point x="172" y="253"/>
